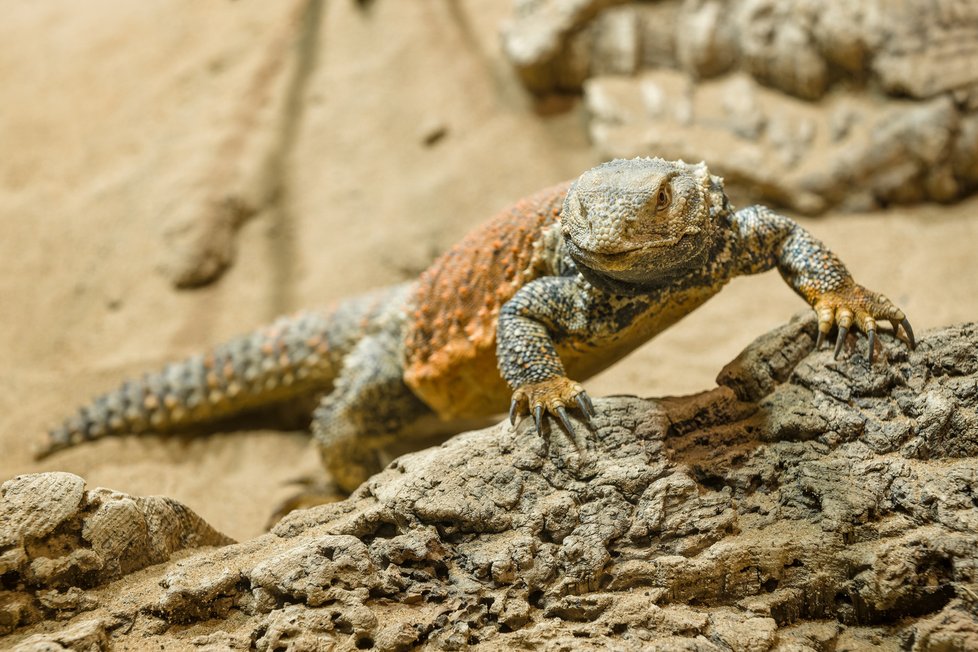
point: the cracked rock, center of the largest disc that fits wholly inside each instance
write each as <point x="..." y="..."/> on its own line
<point x="800" y="103"/>
<point x="805" y="503"/>
<point x="59" y="541"/>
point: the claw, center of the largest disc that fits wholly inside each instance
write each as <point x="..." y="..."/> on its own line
<point x="582" y="406"/>
<point x="584" y="403"/>
<point x="906" y="326"/>
<point x="872" y="345"/>
<point x="512" y="412"/>
<point x="564" y="419"/>
<point x="896" y="328"/>
<point x="840" y="340"/>
<point x="538" y="419"/>
<point x="820" y="340"/>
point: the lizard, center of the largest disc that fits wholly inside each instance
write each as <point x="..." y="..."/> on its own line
<point x="549" y="292"/>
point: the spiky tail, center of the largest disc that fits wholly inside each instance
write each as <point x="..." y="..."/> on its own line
<point x="290" y="358"/>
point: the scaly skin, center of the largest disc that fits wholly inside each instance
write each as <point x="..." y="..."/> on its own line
<point x="549" y="292"/>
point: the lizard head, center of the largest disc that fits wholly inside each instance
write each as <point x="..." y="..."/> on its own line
<point x="637" y="223"/>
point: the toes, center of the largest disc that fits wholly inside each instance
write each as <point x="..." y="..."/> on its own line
<point x="820" y="340"/>
<point x="868" y="325"/>
<point x="906" y="327"/>
<point x="586" y="406"/>
<point x="858" y="307"/>
<point x="565" y="420"/>
<point x="843" y="317"/>
<point x="826" y="317"/>
<point x="840" y="340"/>
<point x="555" y="397"/>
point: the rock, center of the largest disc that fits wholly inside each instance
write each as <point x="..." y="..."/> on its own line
<point x="538" y="40"/>
<point x="58" y="541"/>
<point x="777" y="46"/>
<point x="658" y="40"/>
<point x="803" y="504"/>
<point x="708" y="45"/>
<point x="847" y="151"/>
<point x="617" y="42"/>
<point x="898" y="126"/>
<point x="917" y="48"/>
<point x="31" y="506"/>
<point x="90" y="634"/>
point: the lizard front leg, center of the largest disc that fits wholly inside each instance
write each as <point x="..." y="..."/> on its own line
<point x="770" y="240"/>
<point x="545" y="309"/>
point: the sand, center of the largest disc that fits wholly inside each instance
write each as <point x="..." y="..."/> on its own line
<point x="111" y="115"/>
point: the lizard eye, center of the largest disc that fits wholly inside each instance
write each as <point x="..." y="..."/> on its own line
<point x="663" y="199"/>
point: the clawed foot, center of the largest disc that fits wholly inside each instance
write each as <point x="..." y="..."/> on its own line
<point x="855" y="304"/>
<point x="553" y="397"/>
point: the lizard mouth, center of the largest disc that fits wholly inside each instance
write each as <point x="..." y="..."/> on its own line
<point x="639" y="269"/>
<point x="578" y="251"/>
<point x="615" y="259"/>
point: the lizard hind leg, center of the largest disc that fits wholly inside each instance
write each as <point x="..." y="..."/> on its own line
<point x="369" y="407"/>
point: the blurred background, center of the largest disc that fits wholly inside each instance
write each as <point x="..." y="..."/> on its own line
<point x="174" y="173"/>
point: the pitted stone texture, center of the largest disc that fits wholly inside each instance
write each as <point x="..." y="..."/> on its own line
<point x="88" y="635"/>
<point x="31" y="506"/>
<point x="58" y="541"/>
<point x="851" y="150"/>
<point x="538" y="41"/>
<point x="915" y="48"/>
<point x="801" y="505"/>
<point x="896" y="86"/>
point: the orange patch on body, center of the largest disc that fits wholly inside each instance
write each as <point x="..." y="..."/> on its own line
<point x="450" y="360"/>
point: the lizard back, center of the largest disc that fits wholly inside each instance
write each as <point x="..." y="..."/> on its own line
<point x="450" y="352"/>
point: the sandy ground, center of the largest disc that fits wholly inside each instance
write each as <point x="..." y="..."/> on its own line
<point x="110" y="115"/>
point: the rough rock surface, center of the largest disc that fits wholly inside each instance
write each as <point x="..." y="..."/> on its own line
<point x="898" y="84"/>
<point x="915" y="48"/>
<point x="804" y="504"/>
<point x="58" y="540"/>
<point x="850" y="150"/>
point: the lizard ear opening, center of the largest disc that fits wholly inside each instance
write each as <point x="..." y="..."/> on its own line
<point x="711" y="184"/>
<point x="663" y="198"/>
